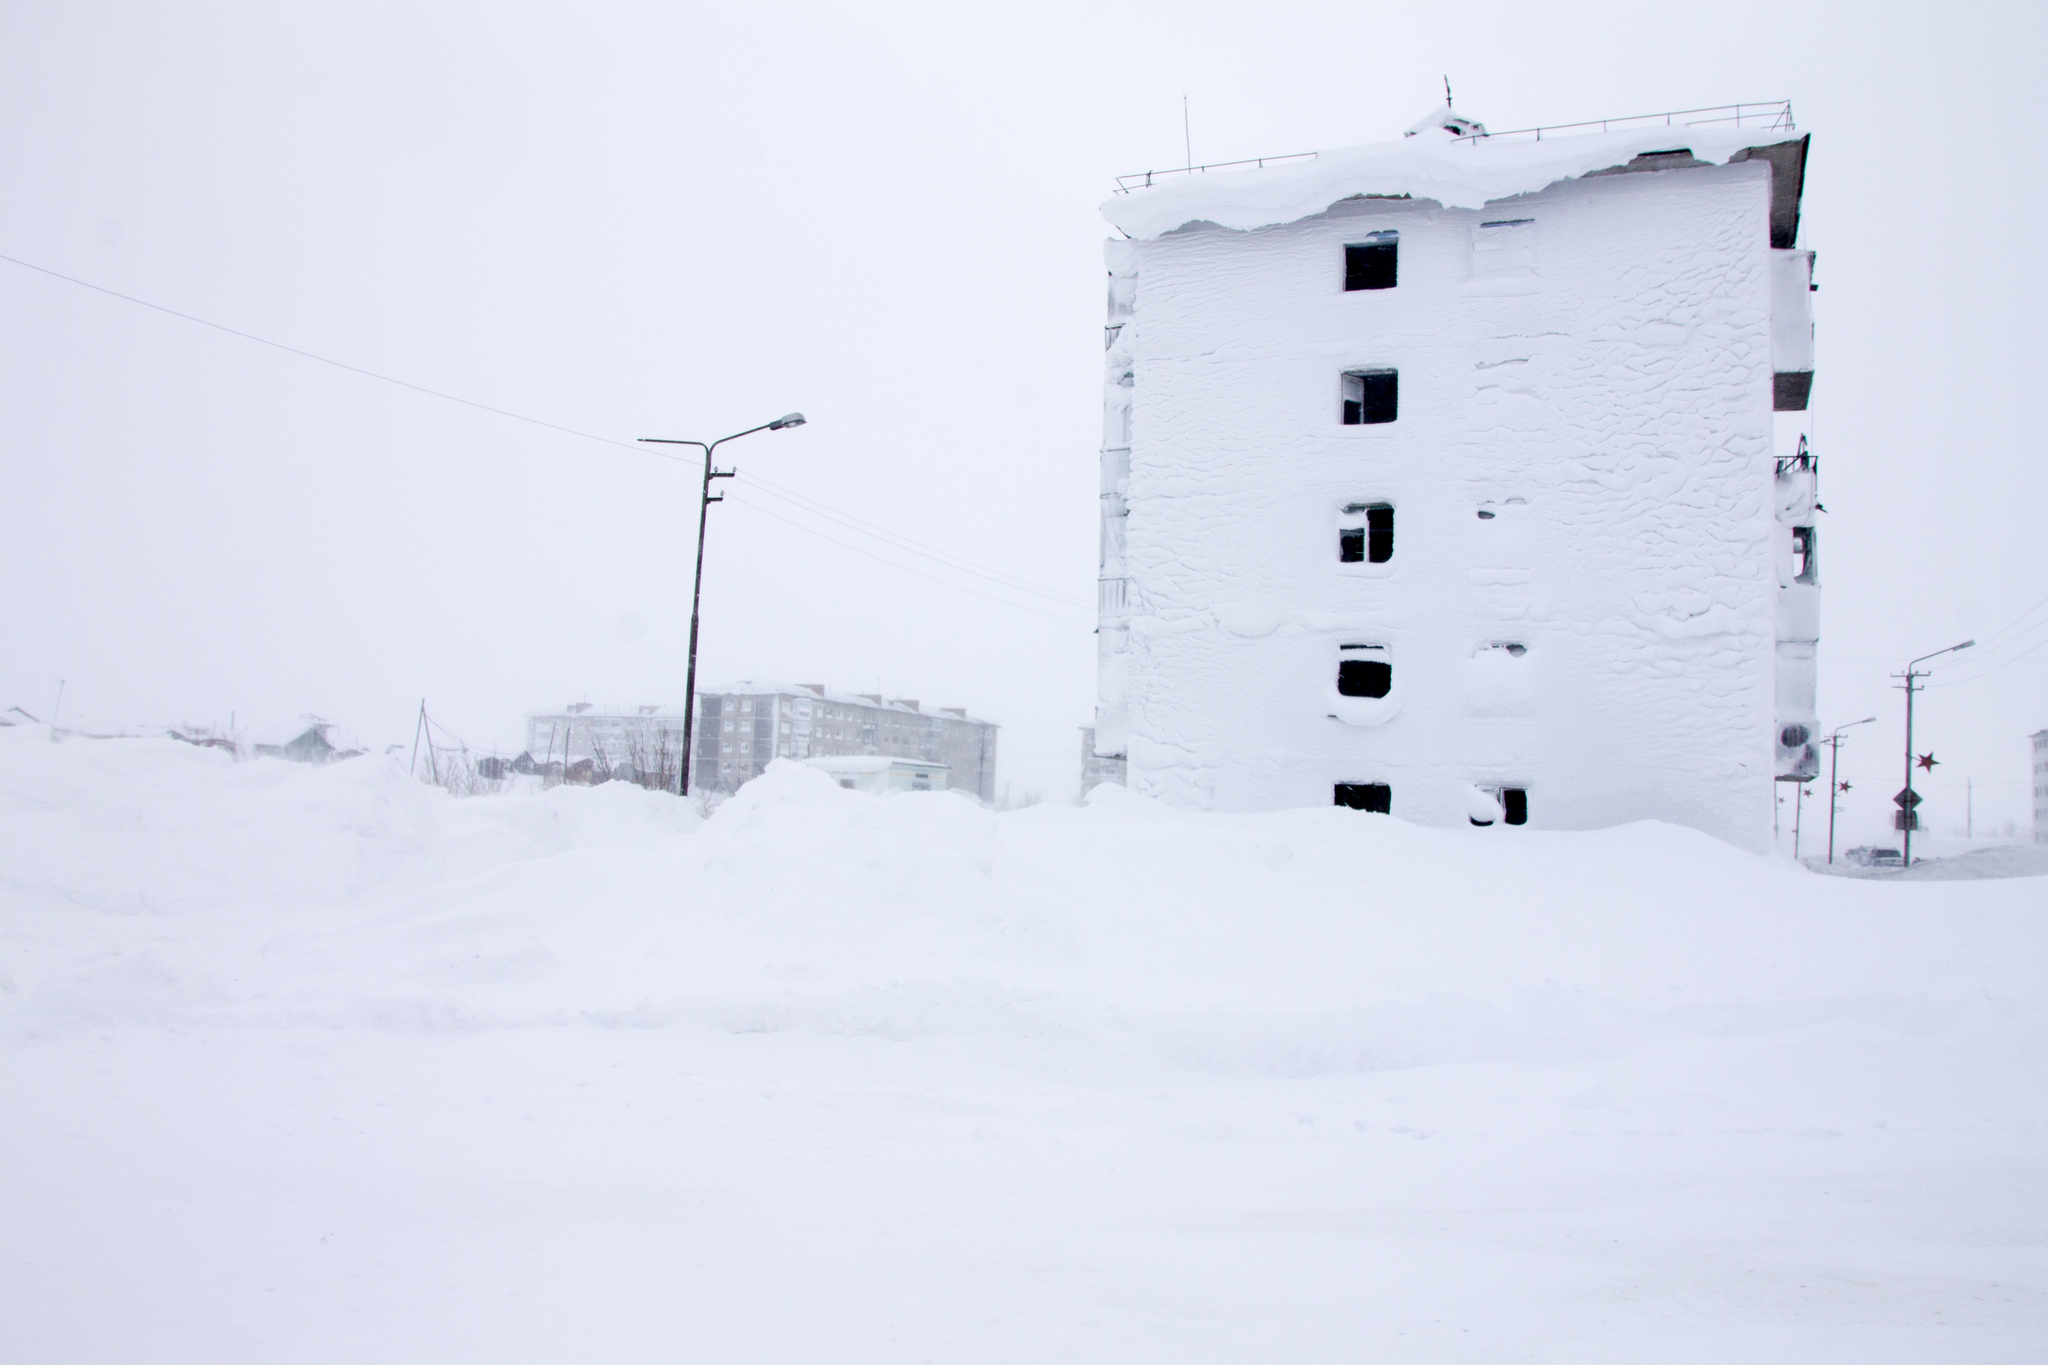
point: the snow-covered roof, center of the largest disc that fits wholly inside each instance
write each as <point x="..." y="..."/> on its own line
<point x="870" y="763"/>
<point x="1457" y="172"/>
<point x="756" y="687"/>
<point x="819" y="692"/>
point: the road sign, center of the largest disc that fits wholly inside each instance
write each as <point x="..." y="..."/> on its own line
<point x="1906" y="799"/>
<point x="1905" y="819"/>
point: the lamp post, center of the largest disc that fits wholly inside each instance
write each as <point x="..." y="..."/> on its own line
<point x="1834" y="743"/>
<point x="705" y="499"/>
<point x="1906" y="799"/>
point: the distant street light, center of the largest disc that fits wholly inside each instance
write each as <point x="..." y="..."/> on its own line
<point x="1908" y="799"/>
<point x="1834" y="743"/>
<point x="705" y="499"/>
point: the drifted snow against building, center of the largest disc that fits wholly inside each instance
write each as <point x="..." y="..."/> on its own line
<point x="742" y="727"/>
<point x="1444" y="477"/>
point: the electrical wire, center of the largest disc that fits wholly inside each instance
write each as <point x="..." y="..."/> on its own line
<point x="2008" y="663"/>
<point x="2005" y="637"/>
<point x="957" y="587"/>
<point x="846" y="519"/>
<point x="853" y="523"/>
<point x="324" y="360"/>
<point x="1993" y="641"/>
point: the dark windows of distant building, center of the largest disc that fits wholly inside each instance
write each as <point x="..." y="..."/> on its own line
<point x="1371" y="397"/>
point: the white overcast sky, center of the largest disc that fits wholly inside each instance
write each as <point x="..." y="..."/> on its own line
<point x="681" y="221"/>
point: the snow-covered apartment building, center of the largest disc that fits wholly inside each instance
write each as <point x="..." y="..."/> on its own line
<point x="2040" y="756"/>
<point x="741" y="728"/>
<point x="1447" y="476"/>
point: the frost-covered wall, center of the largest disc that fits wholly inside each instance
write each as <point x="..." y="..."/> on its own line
<point x="1591" y="541"/>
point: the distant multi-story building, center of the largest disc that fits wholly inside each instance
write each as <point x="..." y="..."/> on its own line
<point x="643" y="743"/>
<point x="741" y="728"/>
<point x="2041" y="786"/>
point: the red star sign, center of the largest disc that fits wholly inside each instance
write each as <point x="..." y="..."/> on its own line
<point x="1842" y="786"/>
<point x="1927" y="762"/>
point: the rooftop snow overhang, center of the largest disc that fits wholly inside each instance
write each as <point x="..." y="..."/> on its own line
<point x="1465" y="173"/>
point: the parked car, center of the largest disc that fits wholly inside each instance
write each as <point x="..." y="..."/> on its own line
<point x="1875" y="857"/>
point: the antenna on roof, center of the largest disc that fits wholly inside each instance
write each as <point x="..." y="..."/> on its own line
<point x="1187" y="138"/>
<point x="1447" y="92"/>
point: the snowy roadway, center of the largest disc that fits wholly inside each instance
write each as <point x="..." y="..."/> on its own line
<point x="321" y="1066"/>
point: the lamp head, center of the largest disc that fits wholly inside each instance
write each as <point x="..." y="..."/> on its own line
<point x="794" y="419"/>
<point x="1964" y="645"/>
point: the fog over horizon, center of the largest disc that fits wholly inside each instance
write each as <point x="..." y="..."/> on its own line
<point x="625" y="221"/>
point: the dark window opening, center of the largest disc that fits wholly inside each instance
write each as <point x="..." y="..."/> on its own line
<point x="1376" y="797"/>
<point x="1372" y="543"/>
<point x="1364" y="678"/>
<point x="1791" y="390"/>
<point x="1379" y="521"/>
<point x="1514" y="806"/>
<point x="1371" y="264"/>
<point x="1371" y="396"/>
<point x="1804" y="567"/>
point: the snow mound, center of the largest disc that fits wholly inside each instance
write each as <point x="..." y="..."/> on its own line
<point x="324" y="1065"/>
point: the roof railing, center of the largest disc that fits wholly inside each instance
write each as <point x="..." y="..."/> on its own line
<point x="1767" y="116"/>
<point x="1139" y="180"/>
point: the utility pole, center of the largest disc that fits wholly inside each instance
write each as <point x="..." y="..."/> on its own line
<point x="1907" y="799"/>
<point x="1798" y="809"/>
<point x="1834" y="743"/>
<point x="705" y="499"/>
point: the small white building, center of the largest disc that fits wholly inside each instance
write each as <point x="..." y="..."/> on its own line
<point x="876" y="773"/>
<point x="1462" y="477"/>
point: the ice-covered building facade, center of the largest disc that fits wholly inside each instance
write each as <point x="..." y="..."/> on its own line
<point x="1445" y="476"/>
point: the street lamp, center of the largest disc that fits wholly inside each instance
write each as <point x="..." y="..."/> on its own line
<point x="1834" y="743"/>
<point x="1906" y="799"/>
<point x="705" y="499"/>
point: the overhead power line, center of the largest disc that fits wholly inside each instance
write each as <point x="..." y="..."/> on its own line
<point x="324" y="360"/>
<point x="957" y="587"/>
<point x="853" y="523"/>
<point x="807" y="504"/>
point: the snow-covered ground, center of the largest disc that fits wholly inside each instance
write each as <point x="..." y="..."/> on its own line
<point x="321" y="1065"/>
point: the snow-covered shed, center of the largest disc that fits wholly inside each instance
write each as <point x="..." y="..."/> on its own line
<point x="880" y="773"/>
<point x="1447" y="476"/>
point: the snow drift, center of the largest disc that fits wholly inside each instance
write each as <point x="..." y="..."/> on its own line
<point x="319" y="1064"/>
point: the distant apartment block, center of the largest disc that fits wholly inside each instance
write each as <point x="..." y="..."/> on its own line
<point x="2041" y="786"/>
<point x="740" y="729"/>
